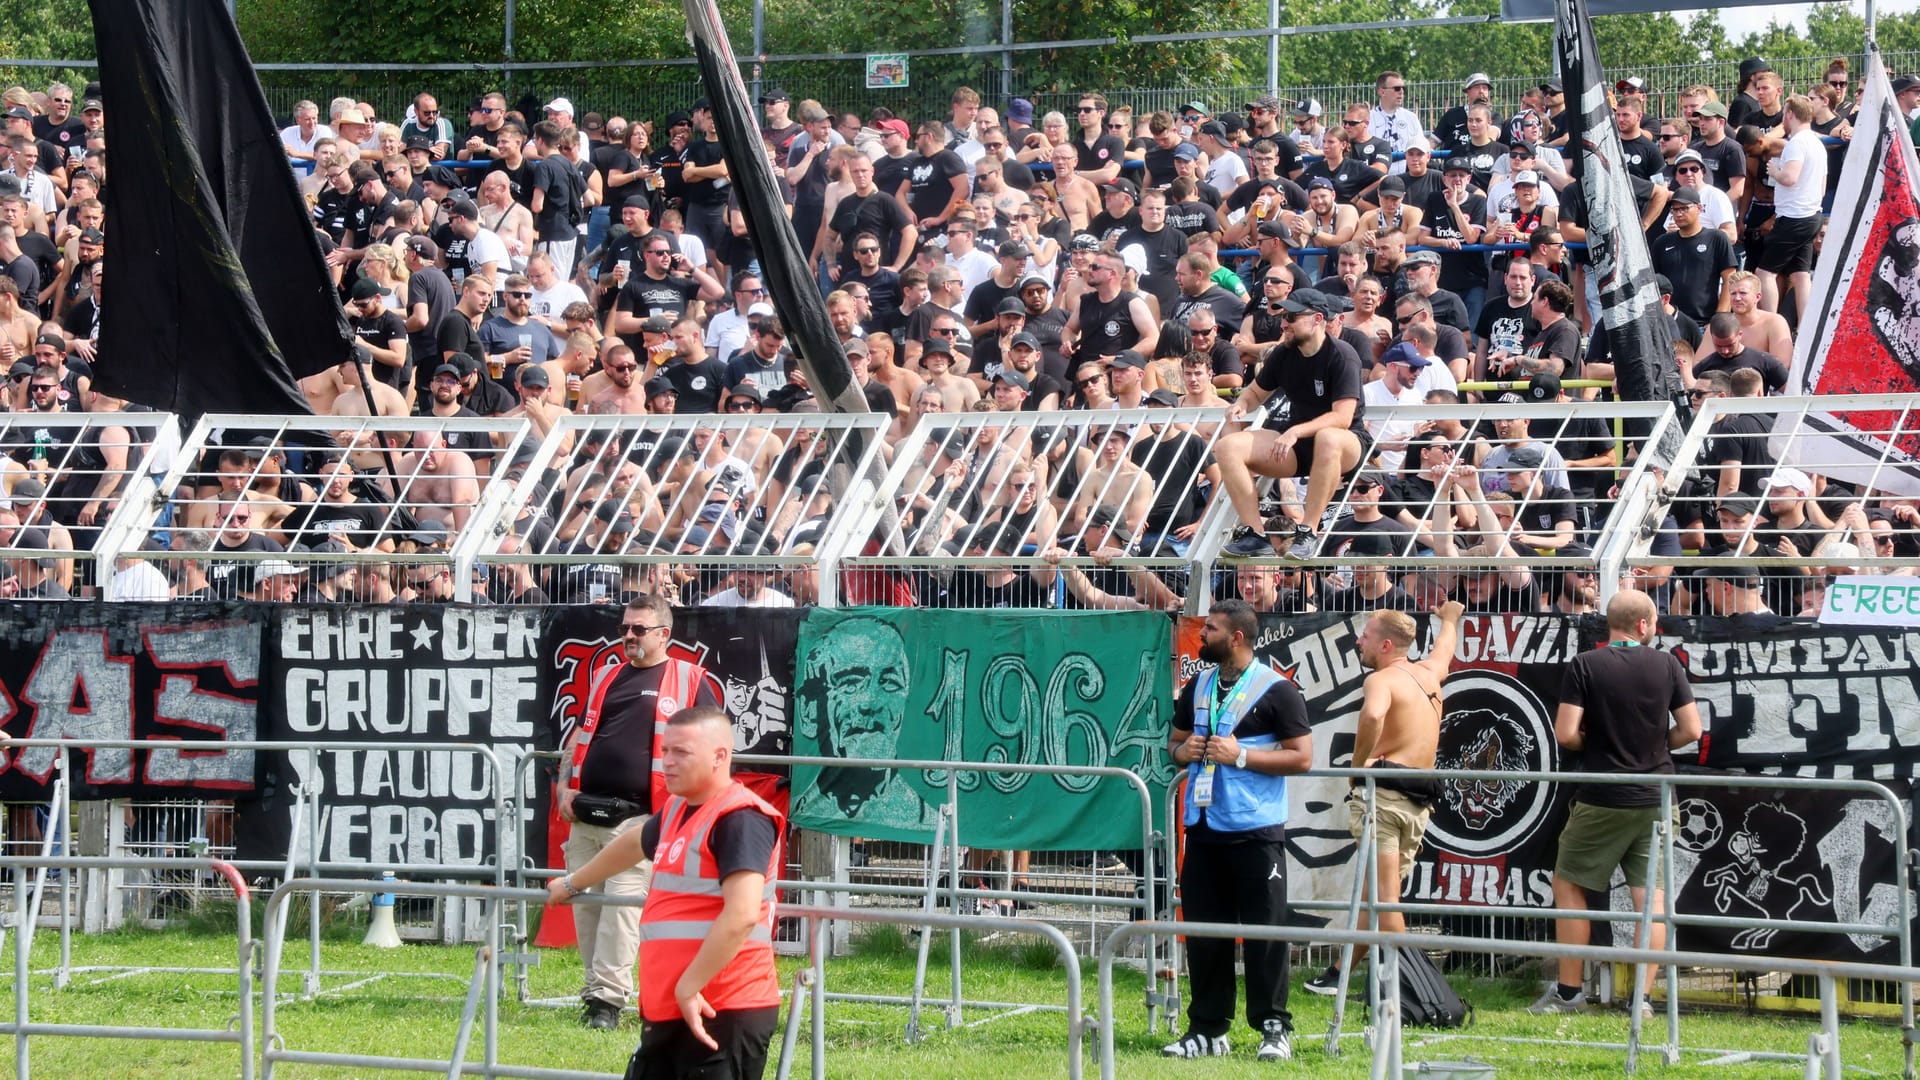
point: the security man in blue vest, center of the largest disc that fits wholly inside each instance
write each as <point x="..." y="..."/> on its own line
<point x="1239" y="728"/>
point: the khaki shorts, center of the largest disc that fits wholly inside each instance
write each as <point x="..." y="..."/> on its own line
<point x="1399" y="823"/>
<point x="1599" y="838"/>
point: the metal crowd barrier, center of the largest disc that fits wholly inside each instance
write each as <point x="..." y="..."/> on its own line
<point x="240" y="1032"/>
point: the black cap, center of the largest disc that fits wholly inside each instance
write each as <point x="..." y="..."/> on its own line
<point x="1162" y="397"/>
<point x="21" y="367"/>
<point x="658" y="385"/>
<point x="772" y="94"/>
<point x="1393" y="185"/>
<point x="1304" y="301"/>
<point x="1551" y="86"/>
<point x="1011" y="305"/>
<point x="19" y="112"/>
<point x="1752" y="66"/>
<point x="417" y="141"/>
<point x="534" y="375"/>
<point x="365" y="289"/>
<point x="1014" y="250"/>
<point x="1738" y="505"/>
<point x="657" y="324"/>
<point x="700" y="104"/>
<point x="1025" y="339"/>
<point x="1686" y="196"/>
<point x="749" y="391"/>
<point x="447" y="369"/>
<point x="1458" y="163"/>
<point x="1011" y="376"/>
<point x="92" y="236"/>
<point x="1214" y="128"/>
<point x="442" y="175"/>
<point x="1129" y="358"/>
<point x="1529" y="458"/>
<point x="1733" y="573"/>
<point x="1544" y="386"/>
<point x="463" y="208"/>
<point x="1122" y="186"/>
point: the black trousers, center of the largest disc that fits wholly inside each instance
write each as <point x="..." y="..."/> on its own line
<point x="1236" y="883"/>
<point x="668" y="1050"/>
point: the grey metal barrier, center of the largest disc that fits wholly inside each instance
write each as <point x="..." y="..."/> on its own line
<point x="486" y="982"/>
<point x="239" y="1033"/>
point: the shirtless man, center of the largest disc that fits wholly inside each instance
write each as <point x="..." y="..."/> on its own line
<point x="507" y="219"/>
<point x="882" y="369"/>
<point x="336" y="392"/>
<point x="956" y="392"/>
<point x="542" y="408"/>
<point x="1759" y="328"/>
<point x="616" y="390"/>
<point x="18" y="327"/>
<point x="1114" y="482"/>
<point x="441" y="484"/>
<point x="1079" y="199"/>
<point x="1398" y="728"/>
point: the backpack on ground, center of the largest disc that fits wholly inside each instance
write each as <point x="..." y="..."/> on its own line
<point x="1426" y="1000"/>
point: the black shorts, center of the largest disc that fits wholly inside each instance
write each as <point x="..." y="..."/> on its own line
<point x="1789" y="247"/>
<point x="1758" y="214"/>
<point x="668" y="1050"/>
<point x="1303" y="455"/>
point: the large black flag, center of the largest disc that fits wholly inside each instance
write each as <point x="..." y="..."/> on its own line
<point x="1639" y="335"/>
<point x="219" y="297"/>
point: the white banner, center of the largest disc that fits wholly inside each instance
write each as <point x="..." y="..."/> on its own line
<point x="1865" y="600"/>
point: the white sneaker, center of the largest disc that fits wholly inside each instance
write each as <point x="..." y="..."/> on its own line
<point x="1195" y="1045"/>
<point x="1275" y="1043"/>
<point x="1552" y="1002"/>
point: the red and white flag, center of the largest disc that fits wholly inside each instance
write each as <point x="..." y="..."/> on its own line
<point x="1861" y="333"/>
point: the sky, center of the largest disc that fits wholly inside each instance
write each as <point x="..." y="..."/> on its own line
<point x="1741" y="21"/>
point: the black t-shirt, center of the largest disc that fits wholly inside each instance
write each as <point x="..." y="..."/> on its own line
<point x="741" y="840"/>
<point x="332" y="212"/>
<point x="1312" y="384"/>
<point x="1482" y="158"/>
<point x="456" y="334"/>
<point x="890" y="172"/>
<point x="1349" y="179"/>
<point x="233" y="576"/>
<point x="1193" y="218"/>
<point x="1351" y="599"/>
<point x="1291" y="193"/>
<point x="646" y="296"/>
<point x="1105" y="151"/>
<point x="619" y="760"/>
<point x="880" y="214"/>
<point x="519" y="179"/>
<point x="1562" y="339"/>
<point x="1175" y="461"/>
<point x="1504" y="324"/>
<point x="360" y="522"/>
<point x="1452" y="127"/>
<point x="930" y="182"/>
<point x="379" y="332"/>
<point x="1545" y="511"/>
<point x="698" y="386"/>
<point x="1460" y="271"/>
<point x="1741" y="439"/>
<point x="1642" y="157"/>
<point x="429" y="286"/>
<point x="1107" y="227"/>
<point x="1280" y="712"/>
<point x="564" y="189"/>
<point x="1163" y="249"/>
<point x="1627" y="694"/>
<point x="1578" y="438"/>
<point x="713" y="192"/>
<point x="1773" y="372"/>
<point x="883" y="285"/>
<point x="1724" y="163"/>
<point x="45" y="255"/>
<point x="366" y="219"/>
<point x="1694" y="265"/>
<point x="1372" y="150"/>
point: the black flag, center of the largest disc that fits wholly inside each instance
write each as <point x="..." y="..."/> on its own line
<point x="783" y="260"/>
<point x="219" y="296"/>
<point x="1639" y="334"/>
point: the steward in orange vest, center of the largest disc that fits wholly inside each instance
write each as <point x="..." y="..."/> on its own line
<point x="709" y="998"/>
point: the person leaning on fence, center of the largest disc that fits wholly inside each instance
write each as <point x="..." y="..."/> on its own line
<point x="1239" y="728"/>
<point x="711" y="998"/>
<point x="1398" y="729"/>
<point x="1615" y="705"/>
<point x="612" y="780"/>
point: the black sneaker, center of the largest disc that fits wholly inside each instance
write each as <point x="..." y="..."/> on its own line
<point x="1326" y="984"/>
<point x="1276" y="1043"/>
<point x="1247" y="543"/>
<point x="1306" y="544"/>
<point x="1195" y="1045"/>
<point x="601" y="1015"/>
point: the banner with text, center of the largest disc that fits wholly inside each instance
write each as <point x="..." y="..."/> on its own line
<point x="986" y="686"/>
<point x="101" y="672"/>
<point x="415" y="674"/>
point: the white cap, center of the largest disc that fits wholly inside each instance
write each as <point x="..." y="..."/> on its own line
<point x="1478" y="78"/>
<point x="1135" y="257"/>
<point x="1527" y="176"/>
<point x="1420" y="143"/>
<point x="1787" y="477"/>
<point x="560" y="104"/>
<point x="760" y="309"/>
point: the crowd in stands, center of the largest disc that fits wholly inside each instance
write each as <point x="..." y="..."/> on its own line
<point x="533" y="262"/>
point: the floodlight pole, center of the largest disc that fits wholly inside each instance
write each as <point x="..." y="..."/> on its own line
<point x="1273" y="44"/>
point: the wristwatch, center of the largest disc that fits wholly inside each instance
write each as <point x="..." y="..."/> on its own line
<point x="1240" y="761"/>
<point x="567" y="882"/>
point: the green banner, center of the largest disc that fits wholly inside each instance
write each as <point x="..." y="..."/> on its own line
<point x="1052" y="688"/>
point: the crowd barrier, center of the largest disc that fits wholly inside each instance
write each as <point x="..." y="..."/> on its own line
<point x="602" y="506"/>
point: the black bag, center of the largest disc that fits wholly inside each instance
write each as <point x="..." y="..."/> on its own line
<point x="1425" y="998"/>
<point x="605" y="810"/>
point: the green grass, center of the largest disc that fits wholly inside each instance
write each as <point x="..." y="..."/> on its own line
<point x="417" y="1017"/>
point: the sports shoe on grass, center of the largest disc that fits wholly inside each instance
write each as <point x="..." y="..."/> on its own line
<point x="1552" y="1002"/>
<point x="1326" y="984"/>
<point x="1195" y="1045"/>
<point x="1275" y="1043"/>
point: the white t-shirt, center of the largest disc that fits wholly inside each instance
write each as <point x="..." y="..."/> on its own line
<point x="694" y="248"/>
<point x="1227" y="172"/>
<point x="726" y="334"/>
<point x="487" y="247"/>
<point x="551" y="303"/>
<point x="1500" y="197"/>
<point x="768" y="598"/>
<point x="1802" y="199"/>
<point x="975" y="267"/>
<point x="37" y="190"/>
<point x="1399" y="127"/>
<point x="1435" y="376"/>
<point x="1715" y="208"/>
<point x="291" y="137"/>
<point x="1375" y="395"/>
<point x="140" y="581"/>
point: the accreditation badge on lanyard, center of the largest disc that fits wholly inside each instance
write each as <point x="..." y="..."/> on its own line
<point x="1203" y="784"/>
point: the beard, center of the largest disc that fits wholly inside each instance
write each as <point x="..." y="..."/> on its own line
<point x="1214" y="653"/>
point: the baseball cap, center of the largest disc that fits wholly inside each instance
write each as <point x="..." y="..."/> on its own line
<point x="423" y="247"/>
<point x="657" y="324"/>
<point x="1528" y="458"/>
<point x="1013" y="250"/>
<point x="772" y="94"/>
<point x="1214" y="128"/>
<point x="749" y="391"/>
<point x="1186" y="151"/>
<point x="1478" y="78"/>
<point x="1030" y="281"/>
<point x="91" y="105"/>
<point x="1714" y="108"/>
<point x="1738" y="505"/>
<point x="1303" y="301"/>
<point x="1551" y="86"/>
<point x="1752" y="66"/>
<point x="447" y="369"/>
<point x="1023" y="340"/>
<point x="1522" y="148"/>
<point x="1162" y="397"/>
<point x="1457" y="163"/>
<point x="365" y="289"/>
<point x="1010" y="305"/>
<point x="1404" y="353"/>
<point x="1106" y="517"/>
<point x="1200" y="107"/>
<point x="1392" y="185"/>
<point x="534" y="375"/>
<point x="1319" y="182"/>
<point x="560" y="104"/>
<point x="856" y="347"/>
<point x="1686" y="196"/>
<point x="20" y="368"/>
<point x="1421" y="258"/>
<point x="53" y="338"/>
<point x="658" y="385"/>
<point x="1269" y="102"/>
<point x="1011" y="376"/>
<point x="1526" y="176"/>
<point x="1129" y="358"/>
<point x="1123" y="186"/>
<point x="19" y="112"/>
<point x="1633" y="83"/>
<point x="1901" y="84"/>
<point x="92" y="236"/>
<point x="1273" y="227"/>
<point x="1544" y="386"/>
<point x="897" y="126"/>
<point x="463" y="208"/>
<point x="1306" y="107"/>
<point x="1685" y="156"/>
<point x="1787" y="477"/>
<point x="1733" y="573"/>
<point x="1419" y="143"/>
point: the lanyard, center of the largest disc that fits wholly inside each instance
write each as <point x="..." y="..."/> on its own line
<point x="1234" y="701"/>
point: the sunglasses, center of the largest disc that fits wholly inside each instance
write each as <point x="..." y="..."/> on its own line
<point x="661" y="251"/>
<point x="1696" y="395"/>
<point x="44" y="388"/>
<point x="1401" y="88"/>
<point x="866" y="251"/>
<point x="1838" y="83"/>
<point x="1088" y="381"/>
<point x="1208" y="330"/>
<point x="1669" y="135"/>
<point x="1116" y="127"/>
<point x="1088" y="109"/>
<point x="518" y="294"/>
<point x="1684" y="169"/>
<point x="948" y="332"/>
<point x="639" y="629"/>
<point x="758" y="292"/>
<point x="1351" y="123"/>
<point x="740" y="405"/>
<point x="995" y="145"/>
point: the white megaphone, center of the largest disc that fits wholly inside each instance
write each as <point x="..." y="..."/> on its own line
<point x="380" y="931"/>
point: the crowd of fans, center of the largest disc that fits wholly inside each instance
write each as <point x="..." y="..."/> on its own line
<point x="532" y="263"/>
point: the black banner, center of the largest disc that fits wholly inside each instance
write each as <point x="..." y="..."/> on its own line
<point x="413" y="674"/>
<point x="159" y="672"/>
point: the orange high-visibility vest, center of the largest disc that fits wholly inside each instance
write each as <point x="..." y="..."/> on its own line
<point x="679" y="689"/>
<point x="685" y="902"/>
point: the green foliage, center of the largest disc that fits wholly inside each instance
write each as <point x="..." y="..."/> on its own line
<point x="49" y="30"/>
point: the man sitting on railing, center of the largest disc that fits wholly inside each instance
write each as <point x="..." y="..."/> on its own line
<point x="1324" y="438"/>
